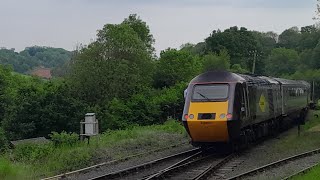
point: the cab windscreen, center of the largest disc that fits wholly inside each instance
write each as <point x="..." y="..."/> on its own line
<point x="210" y="92"/>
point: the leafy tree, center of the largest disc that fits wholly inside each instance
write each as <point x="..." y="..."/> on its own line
<point x="31" y="57"/>
<point x="18" y="62"/>
<point x="309" y="38"/>
<point x="175" y="66"/>
<point x="282" y="61"/>
<point x="38" y="107"/>
<point x="309" y="29"/>
<point x="289" y="38"/>
<point x="21" y="116"/>
<point x="116" y="115"/>
<point x="140" y="109"/>
<point x="306" y="60"/>
<point x="265" y="43"/>
<point x="142" y="29"/>
<point x="216" y="62"/>
<point x="3" y="140"/>
<point x="115" y="66"/>
<point x="238" y="42"/>
<point x="5" y="97"/>
<point x="316" y="56"/>
<point x="195" y="49"/>
<point x="238" y="69"/>
<point x="171" y="101"/>
<point x="187" y="47"/>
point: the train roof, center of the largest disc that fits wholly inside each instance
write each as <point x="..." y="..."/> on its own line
<point x="270" y="79"/>
<point x="251" y="80"/>
<point x="217" y="76"/>
<point x="286" y="81"/>
<point x="225" y="76"/>
<point x="292" y="82"/>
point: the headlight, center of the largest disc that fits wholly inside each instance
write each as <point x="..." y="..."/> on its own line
<point x="222" y="116"/>
<point x="191" y="116"/>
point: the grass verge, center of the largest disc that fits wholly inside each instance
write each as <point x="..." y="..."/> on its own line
<point x="314" y="173"/>
<point x="312" y="129"/>
<point x="30" y="161"/>
<point x="292" y="143"/>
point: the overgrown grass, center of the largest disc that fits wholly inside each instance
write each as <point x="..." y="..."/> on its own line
<point x="293" y="143"/>
<point x="310" y="139"/>
<point x="314" y="173"/>
<point x="312" y="120"/>
<point x="9" y="170"/>
<point x="31" y="161"/>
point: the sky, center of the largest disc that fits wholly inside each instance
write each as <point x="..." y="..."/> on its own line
<point x="68" y="23"/>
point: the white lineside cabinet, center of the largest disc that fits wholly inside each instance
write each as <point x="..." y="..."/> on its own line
<point x="89" y="127"/>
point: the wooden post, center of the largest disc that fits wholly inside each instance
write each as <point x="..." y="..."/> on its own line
<point x="254" y="61"/>
<point x="81" y="131"/>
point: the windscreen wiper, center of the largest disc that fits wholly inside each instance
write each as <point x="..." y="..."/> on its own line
<point x="203" y="96"/>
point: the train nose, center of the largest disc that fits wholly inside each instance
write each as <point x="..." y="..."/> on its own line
<point x="209" y="123"/>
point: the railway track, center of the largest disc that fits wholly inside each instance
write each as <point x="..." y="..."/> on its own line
<point x="83" y="170"/>
<point x="196" y="164"/>
<point x="220" y="169"/>
<point x="266" y="167"/>
<point x="133" y="171"/>
<point x="204" y="166"/>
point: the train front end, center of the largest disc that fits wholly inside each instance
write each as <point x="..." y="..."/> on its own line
<point x="208" y="112"/>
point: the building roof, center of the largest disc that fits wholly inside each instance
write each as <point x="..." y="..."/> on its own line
<point x="37" y="140"/>
<point x="42" y="72"/>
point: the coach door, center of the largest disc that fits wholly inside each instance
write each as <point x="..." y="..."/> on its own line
<point x="245" y="108"/>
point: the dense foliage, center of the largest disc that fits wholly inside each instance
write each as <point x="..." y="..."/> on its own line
<point x="35" y="56"/>
<point x="119" y="77"/>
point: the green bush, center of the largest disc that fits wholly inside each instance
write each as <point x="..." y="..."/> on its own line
<point x="32" y="152"/>
<point x="67" y="159"/>
<point x="3" y="140"/>
<point x="115" y="116"/>
<point x="171" y="102"/>
<point x="64" y="138"/>
<point x="139" y="109"/>
<point x="144" y="110"/>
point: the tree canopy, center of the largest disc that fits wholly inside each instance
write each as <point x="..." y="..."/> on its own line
<point x="35" y="56"/>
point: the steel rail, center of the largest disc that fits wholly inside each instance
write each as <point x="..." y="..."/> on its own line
<point x="109" y="162"/>
<point x="276" y="163"/>
<point x="136" y="168"/>
<point x="175" y="166"/>
<point x="210" y="170"/>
